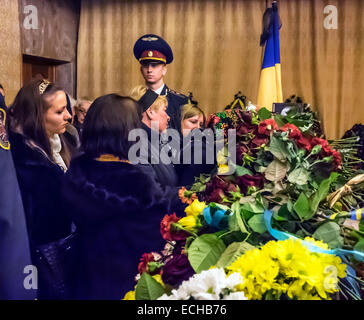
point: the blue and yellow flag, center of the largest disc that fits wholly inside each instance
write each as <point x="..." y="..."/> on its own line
<point x="270" y="86"/>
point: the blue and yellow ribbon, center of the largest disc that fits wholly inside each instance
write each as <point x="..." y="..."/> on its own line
<point x="280" y="235"/>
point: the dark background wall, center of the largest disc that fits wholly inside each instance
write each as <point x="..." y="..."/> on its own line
<point x="55" y="36"/>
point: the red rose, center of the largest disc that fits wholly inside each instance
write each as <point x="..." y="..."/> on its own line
<point x="166" y="231"/>
<point x="258" y="141"/>
<point x="267" y="126"/>
<point x="241" y="150"/>
<point x="217" y="188"/>
<point x="246" y="181"/>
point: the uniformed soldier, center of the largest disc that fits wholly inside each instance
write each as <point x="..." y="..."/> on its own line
<point x="14" y="244"/>
<point x="154" y="54"/>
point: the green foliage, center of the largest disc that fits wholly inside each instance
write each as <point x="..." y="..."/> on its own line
<point x="205" y="251"/>
<point x="276" y="171"/>
<point x="264" y="114"/>
<point x="232" y="252"/>
<point x="299" y="176"/>
<point x="257" y="223"/>
<point x="148" y="288"/>
<point x="329" y="233"/>
<point x="302" y="207"/>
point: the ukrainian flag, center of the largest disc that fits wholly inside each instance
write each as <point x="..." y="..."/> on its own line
<point x="270" y="86"/>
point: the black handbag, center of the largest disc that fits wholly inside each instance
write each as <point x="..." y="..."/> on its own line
<point x="55" y="263"/>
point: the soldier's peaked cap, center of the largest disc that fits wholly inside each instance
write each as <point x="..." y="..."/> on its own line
<point x="152" y="48"/>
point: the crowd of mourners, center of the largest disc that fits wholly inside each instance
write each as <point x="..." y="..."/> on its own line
<point x="79" y="188"/>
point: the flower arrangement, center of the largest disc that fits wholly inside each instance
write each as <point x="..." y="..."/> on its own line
<point x="288" y="268"/>
<point x="308" y="184"/>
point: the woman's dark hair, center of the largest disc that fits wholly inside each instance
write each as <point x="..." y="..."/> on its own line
<point x="28" y="110"/>
<point x="107" y="125"/>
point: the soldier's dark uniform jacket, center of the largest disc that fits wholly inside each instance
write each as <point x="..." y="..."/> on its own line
<point x="175" y="101"/>
<point x="14" y="243"/>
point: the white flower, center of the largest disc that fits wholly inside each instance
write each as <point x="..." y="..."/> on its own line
<point x="235" y="296"/>
<point x="207" y="285"/>
<point x="250" y="106"/>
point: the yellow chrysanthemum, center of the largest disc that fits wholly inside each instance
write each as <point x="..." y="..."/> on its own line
<point x="130" y="295"/>
<point x="320" y="243"/>
<point x="288" y="267"/>
<point x="195" y="208"/>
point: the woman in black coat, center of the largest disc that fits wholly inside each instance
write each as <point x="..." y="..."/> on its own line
<point x="194" y="142"/>
<point x="38" y="119"/>
<point x="117" y="207"/>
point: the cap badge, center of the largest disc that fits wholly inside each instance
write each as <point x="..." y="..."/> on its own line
<point x="150" y="54"/>
<point x="149" y="39"/>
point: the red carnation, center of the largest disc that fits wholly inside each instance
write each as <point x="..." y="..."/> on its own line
<point x="143" y="264"/>
<point x="304" y="142"/>
<point x="327" y="150"/>
<point x="337" y="158"/>
<point x="167" y="233"/>
<point x="267" y="126"/>
<point x="294" y="132"/>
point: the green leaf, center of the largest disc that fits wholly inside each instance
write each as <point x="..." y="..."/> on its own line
<point x="361" y="225"/>
<point x="282" y="214"/>
<point x="257" y="223"/>
<point x="329" y="233"/>
<point x="359" y="245"/>
<point x="205" y="251"/>
<point x="302" y="207"/>
<point x="278" y="149"/>
<point x="299" y="176"/>
<point x="240" y="171"/>
<point x="254" y="207"/>
<point x="148" y="288"/>
<point x="232" y="252"/>
<point x="322" y="191"/>
<point x="279" y="119"/>
<point x="236" y="209"/>
<point x="276" y="171"/>
<point x="264" y="114"/>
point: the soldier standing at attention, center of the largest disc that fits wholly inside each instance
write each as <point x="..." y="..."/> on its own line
<point x="154" y="54"/>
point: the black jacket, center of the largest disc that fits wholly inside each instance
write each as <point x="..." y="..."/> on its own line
<point x="165" y="173"/>
<point x="205" y="164"/>
<point x="117" y="209"/>
<point x="40" y="184"/>
<point x="175" y="102"/>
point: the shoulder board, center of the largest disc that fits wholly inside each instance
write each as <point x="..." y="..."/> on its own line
<point x="181" y="95"/>
<point x="4" y="142"/>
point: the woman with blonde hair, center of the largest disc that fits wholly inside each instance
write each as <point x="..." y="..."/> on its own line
<point x="192" y="117"/>
<point x="192" y="121"/>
